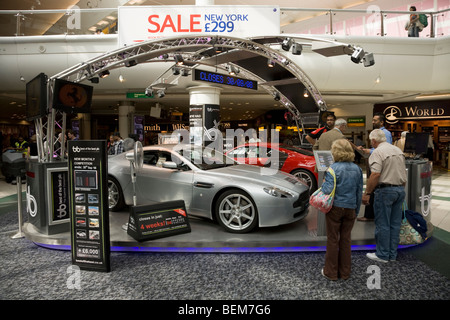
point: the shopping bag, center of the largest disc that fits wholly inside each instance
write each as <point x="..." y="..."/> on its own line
<point x="409" y="234"/>
<point x="322" y="201"/>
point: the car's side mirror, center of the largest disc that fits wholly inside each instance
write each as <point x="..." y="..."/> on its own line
<point x="170" y="165"/>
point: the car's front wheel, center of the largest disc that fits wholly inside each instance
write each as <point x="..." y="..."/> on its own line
<point x="236" y="211"/>
<point x="115" y="195"/>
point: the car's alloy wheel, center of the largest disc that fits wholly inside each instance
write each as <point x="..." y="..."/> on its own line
<point x="307" y="177"/>
<point x="115" y="195"/>
<point x="236" y="212"/>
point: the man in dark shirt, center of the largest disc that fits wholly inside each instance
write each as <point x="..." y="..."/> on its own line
<point x="313" y="136"/>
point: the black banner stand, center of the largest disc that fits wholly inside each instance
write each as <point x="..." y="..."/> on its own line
<point x="89" y="216"/>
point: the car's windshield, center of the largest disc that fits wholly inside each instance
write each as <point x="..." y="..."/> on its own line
<point x="205" y="158"/>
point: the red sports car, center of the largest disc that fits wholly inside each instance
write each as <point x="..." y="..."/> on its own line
<point x="294" y="160"/>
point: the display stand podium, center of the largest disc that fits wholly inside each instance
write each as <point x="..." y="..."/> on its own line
<point x="418" y="188"/>
<point x="47" y="196"/>
<point x="324" y="159"/>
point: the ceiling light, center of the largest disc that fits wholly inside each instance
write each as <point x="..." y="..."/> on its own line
<point x="232" y="70"/>
<point x="175" y="71"/>
<point x="270" y="63"/>
<point x="305" y="93"/>
<point x="276" y="97"/>
<point x="179" y="59"/>
<point x="130" y="63"/>
<point x="94" y="79"/>
<point x="149" y="92"/>
<point x="286" y="44"/>
<point x="161" y="93"/>
<point x="103" y="74"/>
<point x="369" y="60"/>
<point x="184" y="72"/>
<point x="297" y="49"/>
<point x="357" y="55"/>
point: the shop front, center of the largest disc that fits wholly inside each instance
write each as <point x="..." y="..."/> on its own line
<point x="422" y="116"/>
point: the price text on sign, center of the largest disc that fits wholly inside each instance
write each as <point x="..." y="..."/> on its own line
<point x="143" y="23"/>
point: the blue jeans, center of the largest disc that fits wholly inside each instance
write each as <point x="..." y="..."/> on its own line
<point x="388" y="218"/>
<point x="413" y="31"/>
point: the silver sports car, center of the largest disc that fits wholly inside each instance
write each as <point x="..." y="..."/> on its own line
<point x="239" y="197"/>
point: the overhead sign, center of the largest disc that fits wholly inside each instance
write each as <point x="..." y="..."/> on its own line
<point x="225" y="79"/>
<point x="356" y="122"/>
<point x="141" y="23"/>
<point x="138" y="95"/>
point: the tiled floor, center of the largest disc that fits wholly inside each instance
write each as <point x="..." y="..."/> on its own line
<point x="440" y="205"/>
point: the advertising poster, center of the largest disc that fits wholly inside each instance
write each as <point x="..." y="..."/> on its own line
<point x="211" y="122"/>
<point x="89" y="205"/>
<point x="144" y="23"/>
<point x="196" y="124"/>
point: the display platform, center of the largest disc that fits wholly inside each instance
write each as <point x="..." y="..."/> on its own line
<point x="207" y="236"/>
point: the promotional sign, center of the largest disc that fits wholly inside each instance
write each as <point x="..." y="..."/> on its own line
<point x="89" y="205"/>
<point x="148" y="222"/>
<point x="137" y="24"/>
<point x="211" y="77"/>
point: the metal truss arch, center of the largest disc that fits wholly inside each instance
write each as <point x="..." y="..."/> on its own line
<point x="194" y="49"/>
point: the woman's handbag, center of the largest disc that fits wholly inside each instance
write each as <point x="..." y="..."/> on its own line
<point x="323" y="201"/>
<point x="408" y="235"/>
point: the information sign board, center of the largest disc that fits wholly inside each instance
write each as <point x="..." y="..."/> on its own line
<point x="89" y="205"/>
<point x="218" y="78"/>
<point x="160" y="220"/>
<point x="324" y="159"/>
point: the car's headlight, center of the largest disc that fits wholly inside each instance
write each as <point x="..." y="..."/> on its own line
<point x="277" y="192"/>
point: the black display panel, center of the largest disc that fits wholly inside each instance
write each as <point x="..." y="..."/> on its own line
<point x="71" y="97"/>
<point x="224" y="79"/>
<point x="416" y="142"/>
<point x="36" y="97"/>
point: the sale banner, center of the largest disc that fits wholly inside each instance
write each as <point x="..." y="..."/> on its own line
<point x="137" y="24"/>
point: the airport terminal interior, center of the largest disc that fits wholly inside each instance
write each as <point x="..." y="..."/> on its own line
<point x="79" y="222"/>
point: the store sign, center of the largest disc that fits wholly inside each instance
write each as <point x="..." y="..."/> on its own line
<point x="218" y="78"/>
<point x="148" y="222"/>
<point x="421" y="110"/>
<point x="137" y="24"/>
<point x="89" y="205"/>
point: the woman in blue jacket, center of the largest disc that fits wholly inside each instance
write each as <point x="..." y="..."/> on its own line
<point x="341" y="218"/>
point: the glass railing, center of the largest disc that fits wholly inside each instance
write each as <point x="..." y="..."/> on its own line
<point x="344" y="22"/>
<point x="341" y="22"/>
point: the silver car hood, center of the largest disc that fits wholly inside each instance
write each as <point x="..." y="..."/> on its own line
<point x="259" y="175"/>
